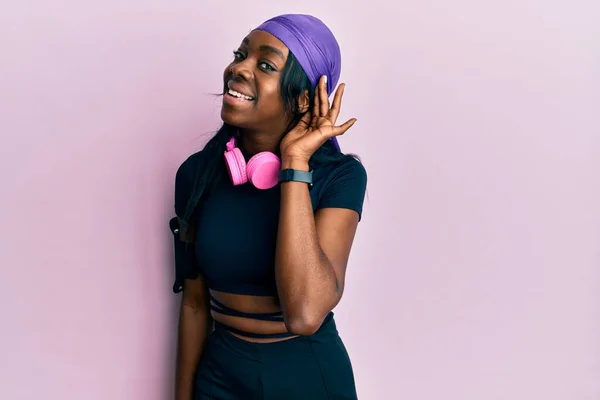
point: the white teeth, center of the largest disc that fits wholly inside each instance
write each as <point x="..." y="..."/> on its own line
<point x="239" y="95"/>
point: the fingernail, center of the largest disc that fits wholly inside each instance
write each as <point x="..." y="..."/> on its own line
<point x="325" y="78"/>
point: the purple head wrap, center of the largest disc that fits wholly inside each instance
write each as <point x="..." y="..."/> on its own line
<point x="313" y="45"/>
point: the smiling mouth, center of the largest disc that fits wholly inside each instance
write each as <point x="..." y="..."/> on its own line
<point x="239" y="95"/>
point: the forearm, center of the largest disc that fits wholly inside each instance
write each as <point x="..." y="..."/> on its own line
<point x="306" y="281"/>
<point x="194" y="328"/>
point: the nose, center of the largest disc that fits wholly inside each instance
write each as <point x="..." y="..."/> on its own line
<point x="241" y="69"/>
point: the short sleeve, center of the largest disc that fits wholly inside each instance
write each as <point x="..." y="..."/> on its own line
<point x="346" y="187"/>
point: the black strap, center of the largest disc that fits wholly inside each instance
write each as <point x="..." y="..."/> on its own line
<point x="251" y="334"/>
<point x="221" y="308"/>
<point x="295" y="175"/>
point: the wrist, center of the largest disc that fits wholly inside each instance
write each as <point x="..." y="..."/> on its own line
<point x="294" y="163"/>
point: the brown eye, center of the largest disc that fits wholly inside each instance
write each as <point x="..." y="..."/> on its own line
<point x="266" y="66"/>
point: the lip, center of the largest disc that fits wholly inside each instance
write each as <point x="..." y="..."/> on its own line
<point x="236" y="101"/>
<point x="240" y="89"/>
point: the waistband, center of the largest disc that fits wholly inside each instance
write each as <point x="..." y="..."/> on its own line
<point x="325" y="340"/>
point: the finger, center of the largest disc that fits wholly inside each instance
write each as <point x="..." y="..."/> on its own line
<point x="305" y="121"/>
<point x="316" y="108"/>
<point x="323" y="97"/>
<point x="340" y="130"/>
<point x="336" y="106"/>
<point x="313" y="121"/>
<point x="330" y="131"/>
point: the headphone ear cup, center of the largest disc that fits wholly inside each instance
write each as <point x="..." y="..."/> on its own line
<point x="263" y="170"/>
<point x="236" y="166"/>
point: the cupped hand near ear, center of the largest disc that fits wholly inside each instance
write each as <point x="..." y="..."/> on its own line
<point x="316" y="126"/>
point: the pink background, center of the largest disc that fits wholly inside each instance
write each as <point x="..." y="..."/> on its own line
<point x="476" y="270"/>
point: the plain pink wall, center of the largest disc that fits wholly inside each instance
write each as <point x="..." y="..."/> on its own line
<point x="476" y="270"/>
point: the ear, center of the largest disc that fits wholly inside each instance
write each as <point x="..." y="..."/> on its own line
<point x="303" y="102"/>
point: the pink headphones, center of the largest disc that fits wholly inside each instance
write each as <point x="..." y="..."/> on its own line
<point x="262" y="169"/>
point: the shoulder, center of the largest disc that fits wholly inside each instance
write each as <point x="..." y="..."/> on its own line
<point x="351" y="167"/>
<point x="190" y="165"/>
<point x="184" y="181"/>
<point x="347" y="169"/>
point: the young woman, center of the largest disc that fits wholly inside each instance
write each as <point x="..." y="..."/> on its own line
<point x="266" y="217"/>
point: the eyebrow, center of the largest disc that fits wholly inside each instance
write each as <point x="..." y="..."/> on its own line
<point x="266" y="48"/>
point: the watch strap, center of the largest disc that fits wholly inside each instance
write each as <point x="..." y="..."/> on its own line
<point x="289" y="175"/>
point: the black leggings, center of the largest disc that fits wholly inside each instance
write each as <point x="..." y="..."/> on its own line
<point x="313" y="367"/>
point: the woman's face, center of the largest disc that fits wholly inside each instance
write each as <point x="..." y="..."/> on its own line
<point x="252" y="97"/>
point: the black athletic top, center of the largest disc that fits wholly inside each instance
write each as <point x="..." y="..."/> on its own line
<point x="237" y="226"/>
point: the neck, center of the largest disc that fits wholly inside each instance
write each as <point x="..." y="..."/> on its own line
<point x="254" y="142"/>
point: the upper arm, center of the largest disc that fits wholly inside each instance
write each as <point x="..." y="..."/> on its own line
<point x="338" y="214"/>
<point x="336" y="228"/>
